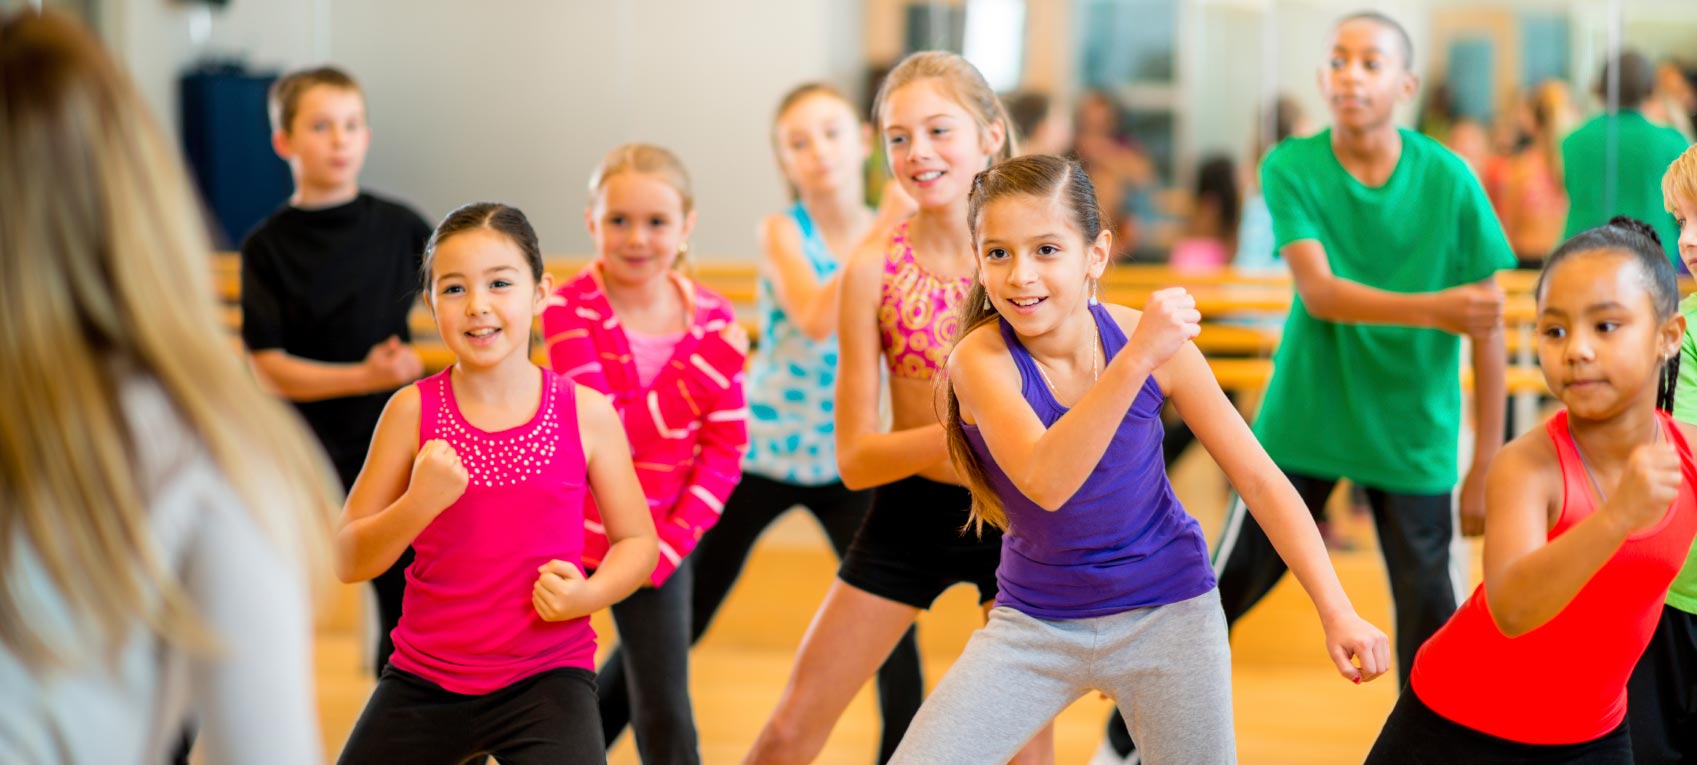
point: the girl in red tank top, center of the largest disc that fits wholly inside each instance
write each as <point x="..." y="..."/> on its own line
<point x="1587" y="522"/>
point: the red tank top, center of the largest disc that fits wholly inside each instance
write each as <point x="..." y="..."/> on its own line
<point x="1565" y="682"/>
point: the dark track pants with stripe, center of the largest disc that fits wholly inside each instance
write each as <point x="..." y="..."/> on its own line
<point x="1415" y="532"/>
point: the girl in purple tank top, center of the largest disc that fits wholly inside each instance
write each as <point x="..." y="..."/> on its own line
<point x="1104" y="582"/>
<point x="484" y="469"/>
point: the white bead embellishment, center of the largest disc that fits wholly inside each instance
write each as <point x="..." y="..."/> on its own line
<point x="501" y="460"/>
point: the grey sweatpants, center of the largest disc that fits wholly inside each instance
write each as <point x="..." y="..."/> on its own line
<point x="1167" y="667"/>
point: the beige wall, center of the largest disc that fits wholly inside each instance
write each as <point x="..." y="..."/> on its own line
<point x="518" y="100"/>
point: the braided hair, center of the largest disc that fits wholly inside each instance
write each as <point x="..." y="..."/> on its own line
<point x="1635" y="238"/>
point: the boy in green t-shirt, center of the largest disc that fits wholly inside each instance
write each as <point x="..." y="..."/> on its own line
<point x="1393" y="247"/>
<point x="1662" y="695"/>
<point x="1635" y="148"/>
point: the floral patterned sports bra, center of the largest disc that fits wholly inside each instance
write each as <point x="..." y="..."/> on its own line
<point x="918" y="314"/>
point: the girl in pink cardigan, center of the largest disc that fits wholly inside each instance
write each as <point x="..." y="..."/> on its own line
<point x="669" y="353"/>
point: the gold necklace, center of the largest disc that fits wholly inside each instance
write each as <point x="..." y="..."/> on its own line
<point x="1095" y="359"/>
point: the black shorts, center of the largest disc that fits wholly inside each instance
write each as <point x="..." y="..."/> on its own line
<point x="1416" y="735"/>
<point x="912" y="546"/>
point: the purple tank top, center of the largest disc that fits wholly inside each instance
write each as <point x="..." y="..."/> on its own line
<point x="1123" y="541"/>
<point x="467" y="623"/>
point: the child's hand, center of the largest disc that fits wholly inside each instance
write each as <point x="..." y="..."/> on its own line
<point x="1648" y="488"/>
<point x="1169" y="320"/>
<point x="438" y="478"/>
<point x="392" y="363"/>
<point x="734" y="334"/>
<point x="1352" y="637"/>
<point x="561" y="592"/>
<point x="1470" y="309"/>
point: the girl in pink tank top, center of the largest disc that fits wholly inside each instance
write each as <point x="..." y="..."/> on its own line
<point x="484" y="469"/>
<point x="1587" y="522"/>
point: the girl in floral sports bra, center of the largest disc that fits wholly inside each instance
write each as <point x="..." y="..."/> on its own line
<point x="901" y="297"/>
<point x="917" y="312"/>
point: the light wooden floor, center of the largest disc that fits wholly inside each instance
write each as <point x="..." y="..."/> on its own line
<point x="1290" y="705"/>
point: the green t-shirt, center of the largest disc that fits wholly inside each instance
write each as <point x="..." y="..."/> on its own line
<point x="1644" y="151"/>
<point x="1683" y="593"/>
<point x="1378" y="404"/>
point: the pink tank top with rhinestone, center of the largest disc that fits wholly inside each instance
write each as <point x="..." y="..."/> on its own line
<point x="918" y="313"/>
<point x="467" y="622"/>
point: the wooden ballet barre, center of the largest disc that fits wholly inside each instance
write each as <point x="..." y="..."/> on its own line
<point x="1253" y="374"/>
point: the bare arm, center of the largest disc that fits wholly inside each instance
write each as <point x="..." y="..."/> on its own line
<point x="387" y="507"/>
<point x="1530" y="578"/>
<point x="1467" y="309"/>
<point x="1490" y="397"/>
<point x="1048" y="465"/>
<point x="810" y="304"/>
<point x="1278" y="509"/>
<point x="865" y="456"/>
<point x="633" y="547"/>
<point x="389" y="365"/>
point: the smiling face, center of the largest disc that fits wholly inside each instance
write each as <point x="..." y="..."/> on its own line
<point x="1036" y="266"/>
<point x="484" y="297"/>
<point x="1366" y="75"/>
<point x="934" y="144"/>
<point x="325" y="146"/>
<point x="639" y="226"/>
<point x="1600" y="343"/>
<point x="821" y="144"/>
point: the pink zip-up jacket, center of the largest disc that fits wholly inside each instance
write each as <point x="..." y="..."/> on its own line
<point x="687" y="429"/>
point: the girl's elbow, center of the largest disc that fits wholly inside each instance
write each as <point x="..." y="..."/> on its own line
<point x="347" y="570"/>
<point x="1050" y="498"/>
<point x="1510" y="621"/>
<point x="850" y="469"/>
<point x="854" y="481"/>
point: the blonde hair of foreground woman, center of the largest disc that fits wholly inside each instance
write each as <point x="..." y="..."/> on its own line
<point x="105" y="274"/>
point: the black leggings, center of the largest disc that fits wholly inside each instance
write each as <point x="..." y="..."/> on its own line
<point x="1661" y="697"/>
<point x="1416" y="735"/>
<point x="718" y="561"/>
<point x="548" y="718"/>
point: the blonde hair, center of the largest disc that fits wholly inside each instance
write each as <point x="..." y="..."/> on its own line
<point x="648" y="159"/>
<point x="108" y="266"/>
<point x="1036" y="175"/>
<point x="1680" y="180"/>
<point x="283" y="99"/>
<point x="960" y="81"/>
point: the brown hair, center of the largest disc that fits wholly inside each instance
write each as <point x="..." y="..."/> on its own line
<point x="962" y="82"/>
<point x="106" y="271"/>
<point x="1036" y="175"/>
<point x="283" y="100"/>
<point x="505" y="220"/>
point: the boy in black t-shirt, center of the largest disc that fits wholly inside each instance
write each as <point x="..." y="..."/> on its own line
<point x="327" y="283"/>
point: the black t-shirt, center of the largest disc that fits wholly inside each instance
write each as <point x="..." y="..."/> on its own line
<point x="327" y="285"/>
